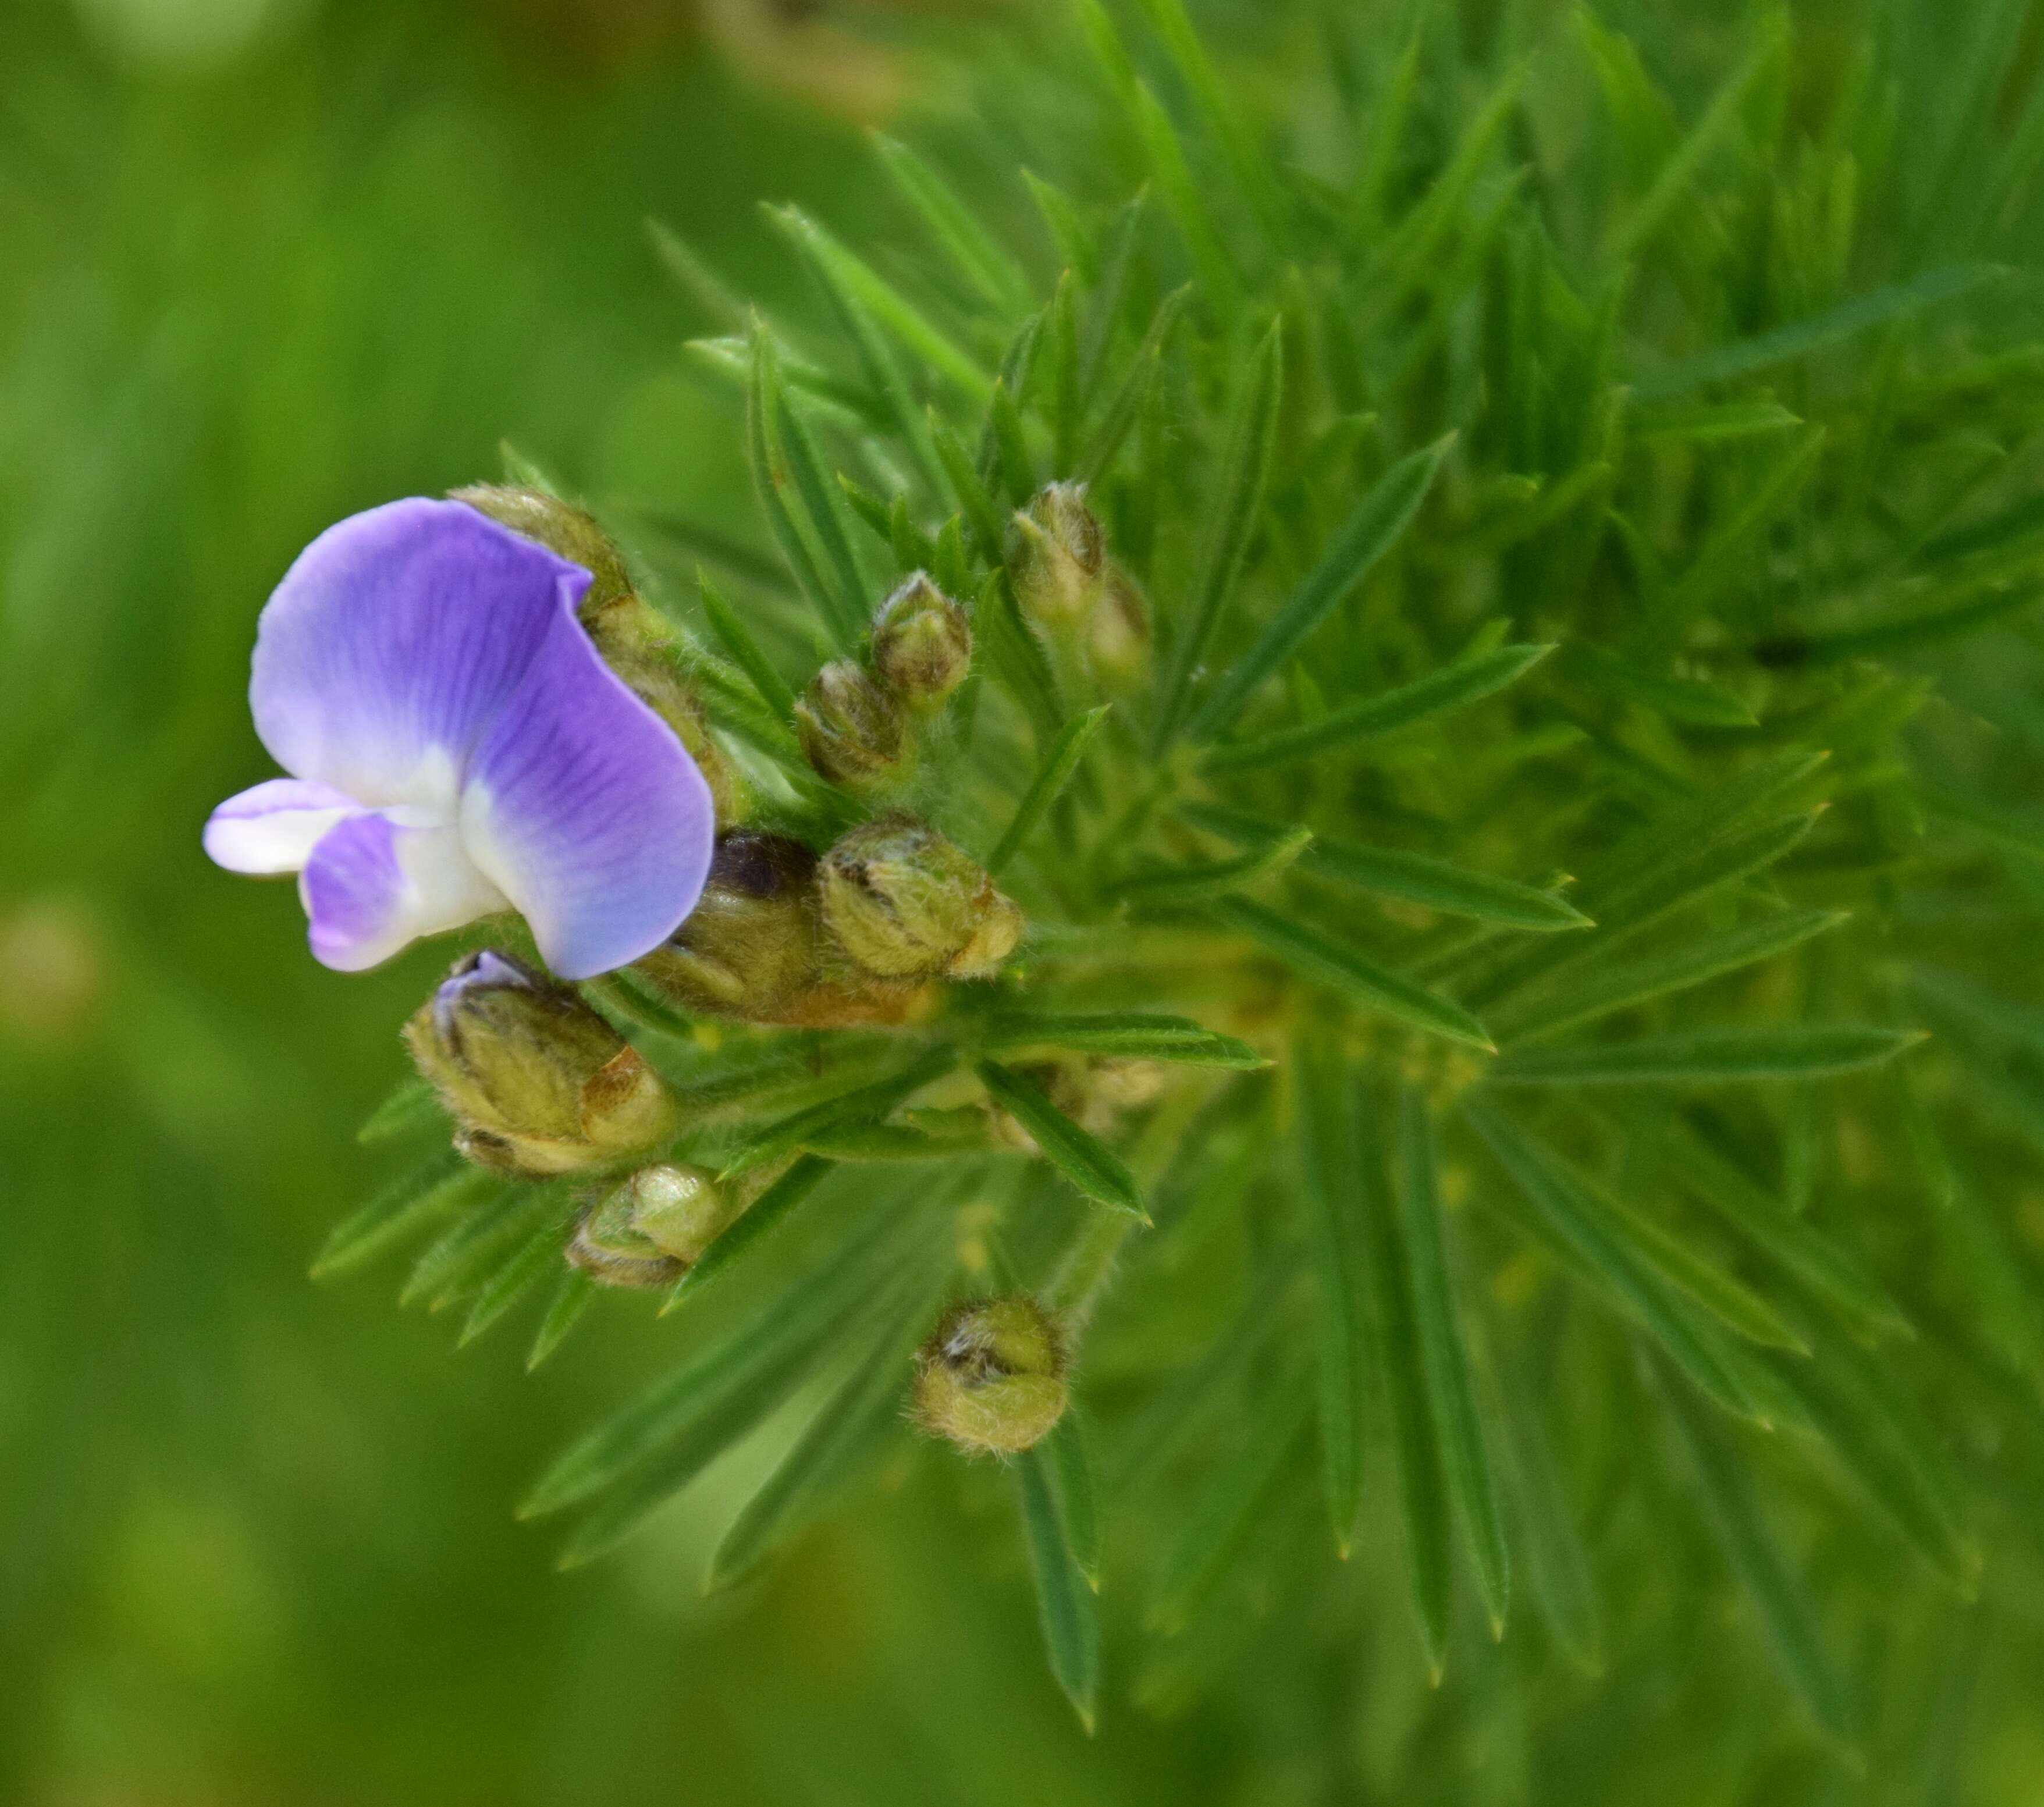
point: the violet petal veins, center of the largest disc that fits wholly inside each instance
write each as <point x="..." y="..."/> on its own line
<point x="457" y="747"/>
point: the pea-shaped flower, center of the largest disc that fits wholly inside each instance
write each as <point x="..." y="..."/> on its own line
<point x="457" y="747"/>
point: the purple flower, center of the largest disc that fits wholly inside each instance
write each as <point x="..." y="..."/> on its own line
<point x="457" y="747"/>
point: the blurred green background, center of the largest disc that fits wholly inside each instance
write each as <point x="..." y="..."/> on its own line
<point x="264" y="263"/>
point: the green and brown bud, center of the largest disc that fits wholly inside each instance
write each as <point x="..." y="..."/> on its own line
<point x="922" y="643"/>
<point x="906" y="903"/>
<point x="992" y="1377"/>
<point x="751" y="942"/>
<point x="562" y="528"/>
<point x="635" y="640"/>
<point x="648" y="1230"/>
<point x="851" y="728"/>
<point x="1057" y="559"/>
<point x="538" y="1082"/>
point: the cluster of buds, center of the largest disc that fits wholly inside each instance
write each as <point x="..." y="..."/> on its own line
<point x="538" y="1084"/>
<point x="856" y="724"/>
<point x="991" y="1378"/>
<point x="636" y="641"/>
<point x="783" y="936"/>
<point x="648" y="1230"/>
<point x="1083" y="602"/>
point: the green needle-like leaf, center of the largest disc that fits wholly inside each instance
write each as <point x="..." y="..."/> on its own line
<point x="1076" y="1152"/>
<point x="439" y="1188"/>
<point x="1064" y="1601"/>
<point x="1711" y="1056"/>
<point x="1328" y="1158"/>
<point x="412" y="1108"/>
<point x="973" y="251"/>
<point x="1077" y="1488"/>
<point x="1315" y="956"/>
<point x="540" y="1254"/>
<point x="571" y="1298"/>
<point x="1056" y="772"/>
<point x="1757" y="1559"/>
<point x="1587" y="1230"/>
<point x="1626" y="984"/>
<point x="1454" y="687"/>
<point x="1232" y="516"/>
<point x="1444" y="1359"/>
<point x="1129" y="1035"/>
<point x="1370" y="532"/>
<point x="767" y="1214"/>
<point x="1400" y="1363"/>
<point x="730" y="629"/>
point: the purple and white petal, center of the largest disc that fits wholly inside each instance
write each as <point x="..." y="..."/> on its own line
<point x="587" y="812"/>
<point x="394" y="644"/>
<point x="272" y="827"/>
<point x="373" y="886"/>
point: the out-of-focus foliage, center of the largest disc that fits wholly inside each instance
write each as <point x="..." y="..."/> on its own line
<point x="1736" y="313"/>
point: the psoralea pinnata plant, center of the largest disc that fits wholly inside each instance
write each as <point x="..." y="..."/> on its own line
<point x="1296" y="888"/>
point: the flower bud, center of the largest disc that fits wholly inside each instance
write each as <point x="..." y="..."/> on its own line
<point x="850" y="729"/>
<point x="992" y="1377"/>
<point x="636" y="641"/>
<point x="922" y="643"/>
<point x="1057" y="558"/>
<point x="751" y="941"/>
<point x="1118" y="640"/>
<point x="538" y="1083"/>
<point x="647" y="1231"/>
<point x="562" y="528"/>
<point x="905" y="903"/>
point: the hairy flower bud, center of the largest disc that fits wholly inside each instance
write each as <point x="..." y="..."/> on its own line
<point x="636" y="641"/>
<point x="562" y="528"/>
<point x="905" y="903"/>
<point x="751" y="941"/>
<point x="850" y="728"/>
<point x="1057" y="558"/>
<point x="922" y="643"/>
<point x="647" y="1230"/>
<point x="1118" y="640"/>
<point x="539" y="1083"/>
<point x="992" y="1377"/>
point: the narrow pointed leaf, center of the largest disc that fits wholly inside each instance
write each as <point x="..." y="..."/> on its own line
<point x="1785" y="1611"/>
<point x="767" y="1214"/>
<point x="1768" y="1223"/>
<point x="1076" y="1487"/>
<point x="1578" y="1224"/>
<point x="412" y="1108"/>
<point x="1712" y="1056"/>
<point x="1423" y="1495"/>
<point x="411" y="1204"/>
<point x="1130" y="1035"/>
<point x="1453" y="687"/>
<point x="1315" y="956"/>
<point x="1334" y="1206"/>
<point x="1626" y="985"/>
<point x="1055" y="772"/>
<point x="1125" y="407"/>
<point x="1064" y="1601"/>
<point x="1444" y="1359"/>
<point x="538" y="1256"/>
<point x="730" y="629"/>
<point x="955" y="227"/>
<point x="1076" y="1152"/>
<point x="1232" y="512"/>
<point x="1370" y="532"/>
<point x="571" y="1298"/>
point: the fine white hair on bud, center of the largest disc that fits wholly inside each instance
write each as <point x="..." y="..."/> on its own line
<point x="991" y="1379"/>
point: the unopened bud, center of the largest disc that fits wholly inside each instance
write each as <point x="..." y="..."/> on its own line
<point x="636" y="641"/>
<point x="538" y="1082"/>
<point x="922" y="643"/>
<point x="562" y="528"/>
<point x="1057" y="558"/>
<point x="751" y="941"/>
<point x="647" y="1231"/>
<point x="992" y="1377"/>
<point x="1118" y="640"/>
<point x="905" y="904"/>
<point x="850" y="728"/>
